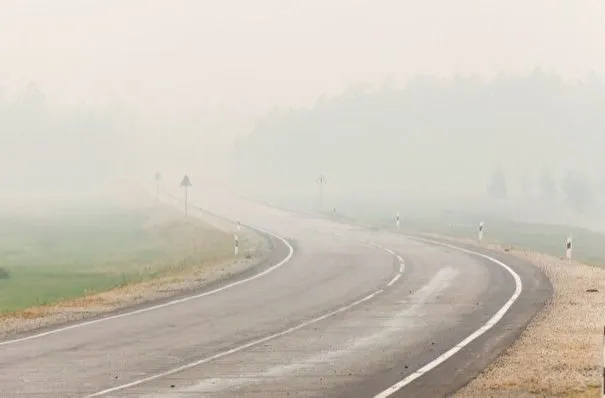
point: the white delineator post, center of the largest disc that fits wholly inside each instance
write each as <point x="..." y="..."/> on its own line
<point x="568" y="249"/>
<point x="397" y="220"/>
<point x="481" y="225"/>
<point x="239" y="225"/>
<point x="235" y="244"/>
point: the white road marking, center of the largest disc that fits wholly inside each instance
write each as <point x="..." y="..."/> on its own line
<point x="393" y="326"/>
<point x="241" y="347"/>
<point x="484" y="328"/>
<point x="167" y="304"/>
<point x="395" y="278"/>
<point x="488" y="325"/>
<point x="391" y="252"/>
<point x="236" y="349"/>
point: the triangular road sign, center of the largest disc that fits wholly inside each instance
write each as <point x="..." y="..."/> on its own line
<point x="185" y="182"/>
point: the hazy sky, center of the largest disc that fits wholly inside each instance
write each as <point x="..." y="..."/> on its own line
<point x="248" y="55"/>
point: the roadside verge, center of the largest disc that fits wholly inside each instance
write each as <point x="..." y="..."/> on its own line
<point x="264" y="251"/>
<point x="559" y="353"/>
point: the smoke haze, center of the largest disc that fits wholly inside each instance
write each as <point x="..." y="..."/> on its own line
<point x="451" y="101"/>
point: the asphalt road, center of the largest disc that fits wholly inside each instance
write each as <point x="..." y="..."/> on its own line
<point x="351" y="313"/>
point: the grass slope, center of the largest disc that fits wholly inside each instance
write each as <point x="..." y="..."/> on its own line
<point x="588" y="246"/>
<point x="67" y="254"/>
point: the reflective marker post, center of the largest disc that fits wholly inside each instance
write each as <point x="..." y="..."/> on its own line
<point x="481" y="225"/>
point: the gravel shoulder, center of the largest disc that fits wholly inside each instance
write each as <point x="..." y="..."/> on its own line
<point x="559" y="353"/>
<point x="254" y="250"/>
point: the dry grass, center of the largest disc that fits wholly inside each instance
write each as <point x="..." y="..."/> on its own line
<point x="559" y="354"/>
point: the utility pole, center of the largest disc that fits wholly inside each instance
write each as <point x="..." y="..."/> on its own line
<point x="321" y="181"/>
<point x="186" y="183"/>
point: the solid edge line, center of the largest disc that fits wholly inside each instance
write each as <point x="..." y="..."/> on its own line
<point x="484" y="328"/>
<point x="488" y="325"/>
<point x="169" y="303"/>
<point x="244" y="346"/>
<point x="392" y="281"/>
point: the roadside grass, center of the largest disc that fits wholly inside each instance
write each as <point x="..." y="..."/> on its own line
<point x="588" y="245"/>
<point x="46" y="259"/>
<point x="589" y="392"/>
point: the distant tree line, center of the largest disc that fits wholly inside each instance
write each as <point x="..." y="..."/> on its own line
<point x="575" y="189"/>
<point x="47" y="148"/>
<point x="506" y="136"/>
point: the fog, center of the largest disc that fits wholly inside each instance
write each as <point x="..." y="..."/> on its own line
<point x="494" y="107"/>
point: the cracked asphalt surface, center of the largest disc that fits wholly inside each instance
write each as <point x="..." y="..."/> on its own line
<point x="344" y="317"/>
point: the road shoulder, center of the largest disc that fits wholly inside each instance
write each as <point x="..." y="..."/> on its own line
<point x="457" y="371"/>
<point x="558" y="353"/>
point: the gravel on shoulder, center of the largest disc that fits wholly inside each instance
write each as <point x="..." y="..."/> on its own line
<point x="559" y="353"/>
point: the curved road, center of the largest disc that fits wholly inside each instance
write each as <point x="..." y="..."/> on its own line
<point x="337" y="311"/>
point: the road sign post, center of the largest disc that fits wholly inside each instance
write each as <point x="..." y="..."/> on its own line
<point x="186" y="183"/>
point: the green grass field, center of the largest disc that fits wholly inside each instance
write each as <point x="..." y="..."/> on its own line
<point x="49" y="258"/>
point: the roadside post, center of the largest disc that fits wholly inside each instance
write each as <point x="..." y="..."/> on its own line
<point x="481" y="225"/>
<point x="186" y="183"/>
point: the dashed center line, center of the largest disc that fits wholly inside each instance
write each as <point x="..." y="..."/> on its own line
<point x="258" y="341"/>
